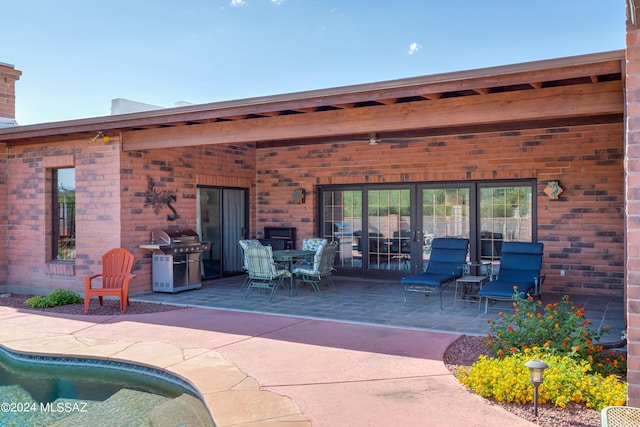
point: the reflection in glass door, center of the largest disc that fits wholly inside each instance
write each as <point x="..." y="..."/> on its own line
<point x="222" y="220"/>
<point x="389" y="229"/>
<point x="342" y="222"/>
<point x="445" y="213"/>
<point x="505" y="216"/>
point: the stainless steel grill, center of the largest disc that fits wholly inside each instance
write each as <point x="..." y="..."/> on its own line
<point x="176" y="259"/>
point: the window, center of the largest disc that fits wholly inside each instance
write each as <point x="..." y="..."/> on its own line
<point x="64" y="215"/>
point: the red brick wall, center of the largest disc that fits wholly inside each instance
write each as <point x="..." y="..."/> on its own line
<point x="111" y="188"/>
<point x="29" y="198"/>
<point x="583" y="232"/>
<point x="8" y="77"/>
<point x="177" y="171"/>
<point x="633" y="212"/>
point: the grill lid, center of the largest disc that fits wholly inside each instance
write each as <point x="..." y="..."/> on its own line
<point x="174" y="237"/>
<point x="176" y="241"/>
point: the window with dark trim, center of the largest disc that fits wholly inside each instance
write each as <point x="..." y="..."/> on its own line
<point x="64" y="214"/>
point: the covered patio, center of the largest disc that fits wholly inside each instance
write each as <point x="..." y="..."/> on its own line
<point x="380" y="302"/>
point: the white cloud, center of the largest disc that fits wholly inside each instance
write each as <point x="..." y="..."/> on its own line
<point x="238" y="3"/>
<point x="278" y="2"/>
<point x="414" y="47"/>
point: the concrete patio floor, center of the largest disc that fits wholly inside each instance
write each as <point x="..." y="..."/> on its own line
<point x="380" y="302"/>
<point x="355" y="357"/>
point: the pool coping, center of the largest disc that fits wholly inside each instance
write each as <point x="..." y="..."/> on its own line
<point x="234" y="398"/>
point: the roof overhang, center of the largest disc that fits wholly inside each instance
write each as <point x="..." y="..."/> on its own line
<point x="571" y="89"/>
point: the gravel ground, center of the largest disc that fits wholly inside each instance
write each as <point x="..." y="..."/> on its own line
<point x="463" y="352"/>
<point x="110" y="307"/>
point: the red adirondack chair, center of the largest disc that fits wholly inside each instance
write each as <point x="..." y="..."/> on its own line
<point x="116" y="276"/>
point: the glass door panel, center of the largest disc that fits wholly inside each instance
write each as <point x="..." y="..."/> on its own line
<point x="233" y="229"/>
<point x="505" y="215"/>
<point x="342" y="222"/>
<point x="209" y="227"/>
<point x="389" y="229"/>
<point x="445" y="213"/>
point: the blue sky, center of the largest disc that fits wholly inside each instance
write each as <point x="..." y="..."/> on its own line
<point x="77" y="55"/>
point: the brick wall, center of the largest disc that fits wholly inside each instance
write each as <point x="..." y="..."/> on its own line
<point x="633" y="212"/>
<point x="29" y="216"/>
<point x="111" y="188"/>
<point x="583" y="232"/>
<point x="8" y="77"/>
<point x="176" y="171"/>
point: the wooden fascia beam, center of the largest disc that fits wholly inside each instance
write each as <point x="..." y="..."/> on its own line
<point x="545" y="103"/>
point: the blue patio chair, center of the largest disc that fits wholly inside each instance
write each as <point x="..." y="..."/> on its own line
<point x="263" y="273"/>
<point x="448" y="254"/>
<point x="519" y="272"/>
<point x="321" y="270"/>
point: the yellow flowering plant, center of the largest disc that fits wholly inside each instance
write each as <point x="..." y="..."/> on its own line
<point x="565" y="380"/>
<point x="555" y="329"/>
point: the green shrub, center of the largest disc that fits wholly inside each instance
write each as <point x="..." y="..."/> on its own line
<point x="56" y="298"/>
<point x="555" y="329"/>
<point x="566" y="380"/>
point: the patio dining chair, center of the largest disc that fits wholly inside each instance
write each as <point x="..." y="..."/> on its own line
<point x="620" y="416"/>
<point x="263" y="273"/>
<point x="320" y="272"/>
<point x="519" y="272"/>
<point x="311" y="244"/>
<point x="244" y="244"/>
<point x="448" y="254"/>
<point x="115" y="277"/>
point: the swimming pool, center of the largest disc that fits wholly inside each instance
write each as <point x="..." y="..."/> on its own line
<point x="43" y="391"/>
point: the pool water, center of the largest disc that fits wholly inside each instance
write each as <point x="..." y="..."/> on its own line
<point x="45" y="391"/>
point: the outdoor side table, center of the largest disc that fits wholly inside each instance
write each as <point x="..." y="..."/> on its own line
<point x="469" y="287"/>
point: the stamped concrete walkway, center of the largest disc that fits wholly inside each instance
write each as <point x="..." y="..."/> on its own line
<point x="266" y="370"/>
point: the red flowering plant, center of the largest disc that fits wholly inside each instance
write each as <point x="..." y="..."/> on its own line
<point x="559" y="328"/>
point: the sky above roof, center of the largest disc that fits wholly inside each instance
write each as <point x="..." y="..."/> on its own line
<point x="78" y="55"/>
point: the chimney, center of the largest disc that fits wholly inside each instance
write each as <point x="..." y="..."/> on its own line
<point x="8" y="77"/>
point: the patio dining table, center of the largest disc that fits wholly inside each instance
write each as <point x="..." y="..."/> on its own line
<point x="290" y="256"/>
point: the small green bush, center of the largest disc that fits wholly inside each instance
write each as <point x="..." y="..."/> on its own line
<point x="56" y="298"/>
<point x="566" y="380"/>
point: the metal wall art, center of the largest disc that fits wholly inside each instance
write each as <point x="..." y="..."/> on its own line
<point x="159" y="198"/>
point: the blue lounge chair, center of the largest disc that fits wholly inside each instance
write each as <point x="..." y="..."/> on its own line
<point x="448" y="254"/>
<point x="520" y="264"/>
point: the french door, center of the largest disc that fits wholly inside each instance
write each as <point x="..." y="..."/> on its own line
<point x="223" y="221"/>
<point x="388" y="230"/>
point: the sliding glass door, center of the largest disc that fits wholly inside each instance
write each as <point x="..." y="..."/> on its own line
<point x="222" y="220"/>
<point x="388" y="229"/>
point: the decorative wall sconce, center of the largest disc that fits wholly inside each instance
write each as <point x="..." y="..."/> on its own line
<point x="553" y="190"/>
<point x="299" y="195"/>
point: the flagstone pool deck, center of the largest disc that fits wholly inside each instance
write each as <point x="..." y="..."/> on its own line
<point x="256" y="369"/>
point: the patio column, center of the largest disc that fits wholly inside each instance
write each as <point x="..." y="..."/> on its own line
<point x="632" y="195"/>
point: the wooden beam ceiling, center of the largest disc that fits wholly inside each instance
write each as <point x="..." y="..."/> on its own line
<point x="572" y="101"/>
<point x="403" y="105"/>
